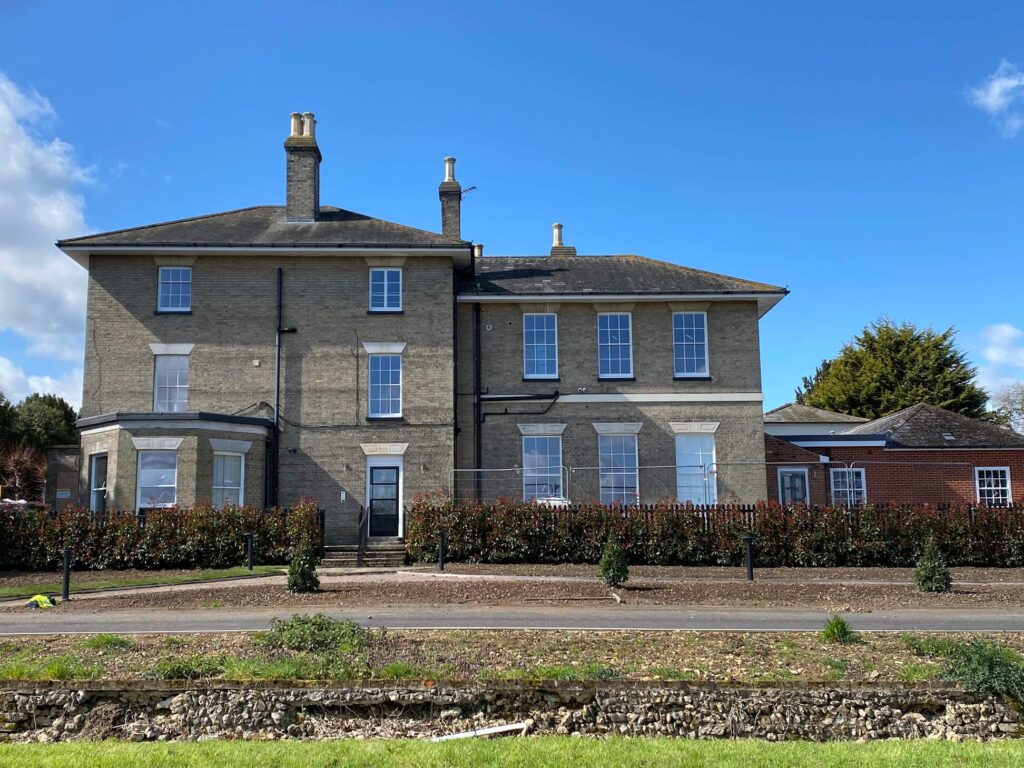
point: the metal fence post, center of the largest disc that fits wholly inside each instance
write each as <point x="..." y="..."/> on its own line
<point x="442" y="550"/>
<point x="65" y="589"/>
<point x="748" y="541"/>
<point x="248" y="550"/>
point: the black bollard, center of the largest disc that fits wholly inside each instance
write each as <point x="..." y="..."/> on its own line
<point x="248" y="551"/>
<point x="442" y="550"/>
<point x="65" y="589"/>
<point x="748" y="540"/>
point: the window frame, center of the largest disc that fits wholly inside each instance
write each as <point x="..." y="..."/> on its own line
<point x="864" y="484"/>
<point x="157" y="387"/>
<point x="540" y="376"/>
<point x="162" y="310"/>
<point x="601" y="469"/>
<point x="676" y="373"/>
<point x="614" y="376"/>
<point x="977" y="485"/>
<point x="386" y="309"/>
<point x="710" y="489"/>
<point x="370" y="414"/>
<point x="138" y="485"/>
<point x="93" y="457"/>
<point x="807" y="483"/>
<point x="532" y="473"/>
<point x="241" y="476"/>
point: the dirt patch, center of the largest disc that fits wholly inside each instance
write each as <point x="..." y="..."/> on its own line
<point x="102" y="722"/>
<point x="722" y="573"/>
<point x="549" y="654"/>
<point x="840" y="597"/>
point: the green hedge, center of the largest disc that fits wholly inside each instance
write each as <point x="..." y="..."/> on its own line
<point x="196" y="537"/>
<point x="510" y="531"/>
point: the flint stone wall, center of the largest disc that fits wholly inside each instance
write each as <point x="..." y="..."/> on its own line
<point x="165" y="711"/>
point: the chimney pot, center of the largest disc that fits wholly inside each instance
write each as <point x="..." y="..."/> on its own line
<point x="450" y="193"/>
<point x="478" y="250"/>
<point x="302" y="174"/>
<point x="558" y="248"/>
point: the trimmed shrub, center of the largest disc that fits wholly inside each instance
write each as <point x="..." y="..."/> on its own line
<point x="302" y="569"/>
<point x="668" y="533"/>
<point x="931" y="573"/>
<point x="614" y="565"/>
<point x="202" y="536"/>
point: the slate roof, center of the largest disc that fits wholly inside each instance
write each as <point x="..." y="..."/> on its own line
<point x="622" y="274"/>
<point x="795" y="413"/>
<point x="265" y="226"/>
<point x="928" y="426"/>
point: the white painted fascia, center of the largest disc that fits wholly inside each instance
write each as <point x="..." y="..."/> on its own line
<point x="180" y="426"/>
<point x="765" y="301"/>
<point x="384" y="347"/>
<point x="838" y="443"/>
<point x="80" y="253"/>
<point x="658" y="397"/>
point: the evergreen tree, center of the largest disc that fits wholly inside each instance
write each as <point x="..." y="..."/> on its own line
<point x="43" y="420"/>
<point x="8" y="421"/>
<point x="891" y="366"/>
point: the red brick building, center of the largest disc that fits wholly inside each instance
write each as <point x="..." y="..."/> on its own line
<point x="922" y="454"/>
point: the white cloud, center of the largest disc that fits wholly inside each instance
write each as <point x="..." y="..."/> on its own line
<point x="42" y="292"/>
<point x="1003" y="352"/>
<point x="1001" y="96"/>
<point x="16" y="384"/>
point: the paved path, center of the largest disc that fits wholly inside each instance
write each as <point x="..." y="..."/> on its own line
<point x="528" y="617"/>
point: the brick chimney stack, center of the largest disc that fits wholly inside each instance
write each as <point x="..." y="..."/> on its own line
<point x="558" y="248"/>
<point x="302" y="197"/>
<point x="450" y="192"/>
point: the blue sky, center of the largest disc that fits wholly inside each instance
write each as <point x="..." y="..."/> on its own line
<point x="865" y="156"/>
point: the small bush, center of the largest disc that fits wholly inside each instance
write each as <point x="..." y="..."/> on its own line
<point x="983" y="667"/>
<point x="838" y="630"/>
<point x="106" y="642"/>
<point x="302" y="569"/>
<point x="614" y="565"/>
<point x="316" y="634"/>
<point x="188" y="668"/>
<point x="931" y="574"/>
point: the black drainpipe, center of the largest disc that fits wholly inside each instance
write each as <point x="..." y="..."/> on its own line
<point x="275" y="461"/>
<point x="477" y="407"/>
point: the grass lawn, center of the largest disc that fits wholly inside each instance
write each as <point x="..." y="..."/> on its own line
<point x="156" y="579"/>
<point x="546" y="751"/>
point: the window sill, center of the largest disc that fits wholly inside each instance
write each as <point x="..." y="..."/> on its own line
<point x="616" y="378"/>
<point x="172" y="312"/>
<point x="691" y="378"/>
<point x="541" y="378"/>
<point x="385" y="311"/>
<point x="385" y="418"/>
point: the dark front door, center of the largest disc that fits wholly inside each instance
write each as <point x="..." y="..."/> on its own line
<point x="384" y="501"/>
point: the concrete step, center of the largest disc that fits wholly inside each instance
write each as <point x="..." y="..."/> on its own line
<point x="369" y="561"/>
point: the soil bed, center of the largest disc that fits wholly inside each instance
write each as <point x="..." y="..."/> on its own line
<point x="535" y="654"/>
<point x="369" y="590"/>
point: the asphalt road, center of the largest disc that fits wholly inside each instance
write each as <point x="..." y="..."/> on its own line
<point x="56" y="621"/>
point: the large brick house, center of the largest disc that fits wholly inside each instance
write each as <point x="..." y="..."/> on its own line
<point x="261" y="355"/>
<point x="919" y="455"/>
